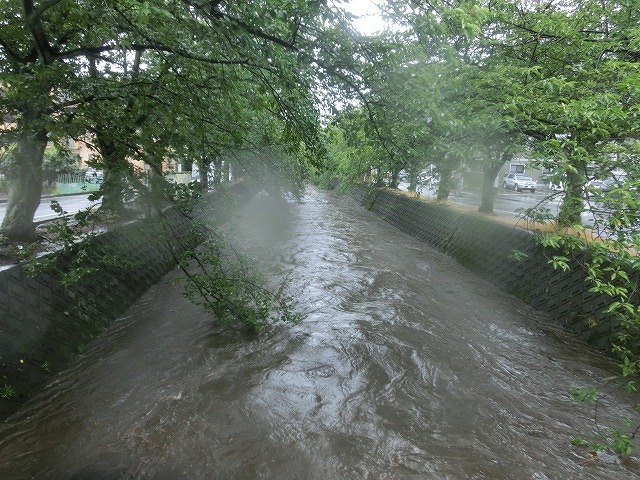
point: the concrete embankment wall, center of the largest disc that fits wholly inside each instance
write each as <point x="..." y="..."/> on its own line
<point x="485" y="247"/>
<point x="48" y="317"/>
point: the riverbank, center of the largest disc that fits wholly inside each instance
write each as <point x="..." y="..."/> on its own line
<point x="49" y="313"/>
<point x="509" y="257"/>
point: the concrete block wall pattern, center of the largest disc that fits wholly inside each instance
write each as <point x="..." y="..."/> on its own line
<point x="485" y="248"/>
<point x="45" y="321"/>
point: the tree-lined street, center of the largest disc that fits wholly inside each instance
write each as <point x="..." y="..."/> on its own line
<point x="507" y="203"/>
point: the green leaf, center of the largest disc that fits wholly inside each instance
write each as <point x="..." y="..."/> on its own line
<point x="518" y="256"/>
<point x="579" y="442"/>
<point x="585" y="394"/>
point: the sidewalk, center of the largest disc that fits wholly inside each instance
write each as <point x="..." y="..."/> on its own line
<point x="70" y="203"/>
<point x="3" y="195"/>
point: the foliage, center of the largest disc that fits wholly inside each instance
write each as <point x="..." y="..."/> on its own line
<point x="225" y="282"/>
<point x="59" y="161"/>
<point x="616" y="440"/>
<point x="581" y="86"/>
<point x="227" y="285"/>
<point x="439" y="96"/>
<point x="217" y="277"/>
<point x="561" y="80"/>
<point x="7" y="392"/>
<point x="350" y="158"/>
<point x="611" y="268"/>
<point x="68" y="235"/>
<point x="119" y="75"/>
<point x="518" y="256"/>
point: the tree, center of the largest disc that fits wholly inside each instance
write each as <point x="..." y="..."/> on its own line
<point x="110" y="67"/>
<point x="475" y="86"/>
<point x="351" y="158"/>
<point x="38" y="51"/>
<point x="59" y="160"/>
<point x="579" y="73"/>
<point x="392" y="128"/>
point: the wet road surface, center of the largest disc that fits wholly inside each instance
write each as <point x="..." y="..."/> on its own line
<point x="405" y="366"/>
<point x="513" y="204"/>
<point x="69" y="203"/>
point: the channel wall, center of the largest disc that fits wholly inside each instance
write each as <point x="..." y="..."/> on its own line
<point x="487" y="248"/>
<point x="49" y="315"/>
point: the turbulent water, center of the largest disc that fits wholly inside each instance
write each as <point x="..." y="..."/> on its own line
<point x="405" y="366"/>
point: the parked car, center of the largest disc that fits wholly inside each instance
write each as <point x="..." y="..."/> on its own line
<point x="519" y="182"/>
<point x="93" y="176"/>
<point x="602" y="185"/>
<point x="428" y="178"/>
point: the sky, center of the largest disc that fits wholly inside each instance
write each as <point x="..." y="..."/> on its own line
<point x="370" y="21"/>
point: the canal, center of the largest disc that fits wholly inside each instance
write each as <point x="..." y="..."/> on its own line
<point x="405" y="366"/>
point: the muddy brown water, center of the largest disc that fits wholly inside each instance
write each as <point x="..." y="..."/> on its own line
<point x="405" y="366"/>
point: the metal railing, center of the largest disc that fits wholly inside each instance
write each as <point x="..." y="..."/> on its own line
<point x="74" y="183"/>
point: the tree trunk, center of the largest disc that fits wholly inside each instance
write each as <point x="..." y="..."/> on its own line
<point x="217" y="172"/>
<point x="379" y="179"/>
<point x="227" y="171"/>
<point x="573" y="204"/>
<point x="393" y="183"/>
<point x="24" y="175"/>
<point x="413" y="181"/>
<point x="203" y="175"/>
<point x="413" y="168"/>
<point x="112" y="187"/>
<point x="25" y="185"/>
<point x="446" y="182"/>
<point x="490" y="170"/>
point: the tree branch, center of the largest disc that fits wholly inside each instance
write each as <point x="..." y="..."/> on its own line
<point x="32" y="17"/>
<point x="44" y="7"/>
<point x="213" y="12"/>
<point x="11" y="52"/>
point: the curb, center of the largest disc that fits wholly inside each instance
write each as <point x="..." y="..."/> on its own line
<point x="4" y="200"/>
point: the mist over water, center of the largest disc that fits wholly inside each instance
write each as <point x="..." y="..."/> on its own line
<point x="405" y="366"/>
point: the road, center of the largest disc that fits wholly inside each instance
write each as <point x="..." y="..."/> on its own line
<point x="508" y="202"/>
<point x="70" y="204"/>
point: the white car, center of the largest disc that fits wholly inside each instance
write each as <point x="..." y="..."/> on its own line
<point x="93" y="176"/>
<point x="519" y="182"/>
<point x="426" y="178"/>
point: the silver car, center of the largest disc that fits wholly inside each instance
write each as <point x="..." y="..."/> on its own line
<point x="93" y="176"/>
<point x="519" y="182"/>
